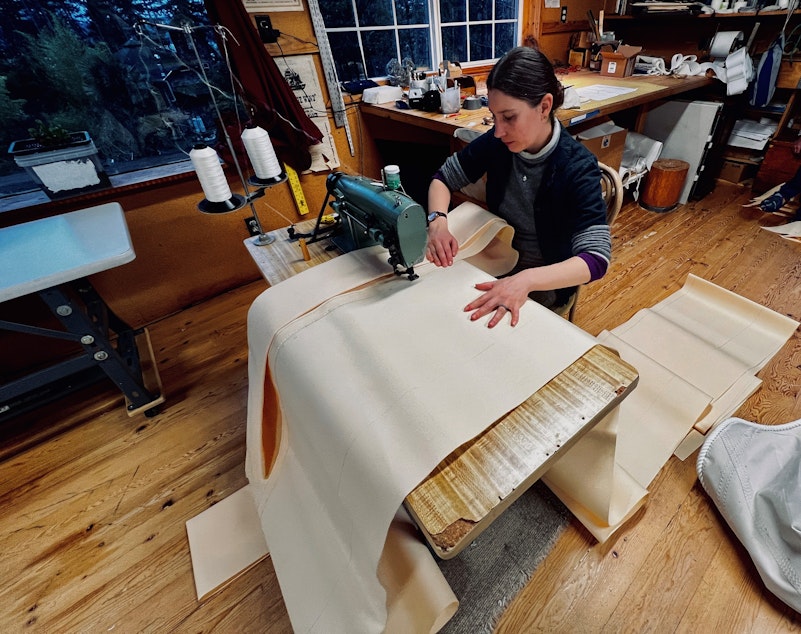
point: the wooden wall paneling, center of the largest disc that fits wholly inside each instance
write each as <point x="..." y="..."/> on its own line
<point x="532" y="19"/>
<point x="554" y="35"/>
<point x="296" y="33"/>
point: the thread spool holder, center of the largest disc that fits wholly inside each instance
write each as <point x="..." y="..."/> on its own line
<point x="263" y="185"/>
<point x="237" y="201"/>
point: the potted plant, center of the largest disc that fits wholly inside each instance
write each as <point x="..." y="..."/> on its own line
<point x="62" y="163"/>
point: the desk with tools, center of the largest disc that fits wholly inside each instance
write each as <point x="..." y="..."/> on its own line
<point x="648" y="91"/>
<point x="478" y="480"/>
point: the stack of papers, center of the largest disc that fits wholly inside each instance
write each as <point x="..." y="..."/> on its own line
<point x="752" y="134"/>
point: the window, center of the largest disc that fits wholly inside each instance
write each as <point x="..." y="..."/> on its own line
<point x="85" y="65"/>
<point x="366" y="35"/>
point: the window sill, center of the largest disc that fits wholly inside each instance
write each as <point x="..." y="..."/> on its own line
<point x="140" y="180"/>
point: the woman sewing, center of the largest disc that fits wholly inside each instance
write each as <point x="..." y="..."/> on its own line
<point x="540" y="180"/>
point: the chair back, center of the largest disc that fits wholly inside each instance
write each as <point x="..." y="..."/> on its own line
<point x="612" y="192"/>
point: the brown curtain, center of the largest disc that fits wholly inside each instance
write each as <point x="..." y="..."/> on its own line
<point x="264" y="88"/>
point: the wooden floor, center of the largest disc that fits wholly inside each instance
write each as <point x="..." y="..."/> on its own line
<point x="94" y="503"/>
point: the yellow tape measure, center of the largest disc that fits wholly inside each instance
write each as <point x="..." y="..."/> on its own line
<point x="297" y="191"/>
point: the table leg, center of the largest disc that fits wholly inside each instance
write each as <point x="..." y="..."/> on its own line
<point x="110" y="347"/>
<point x="121" y="363"/>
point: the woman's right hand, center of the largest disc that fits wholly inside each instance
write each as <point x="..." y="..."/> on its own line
<point x="442" y="246"/>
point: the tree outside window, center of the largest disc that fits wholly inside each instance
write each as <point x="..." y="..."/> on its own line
<point x="81" y="65"/>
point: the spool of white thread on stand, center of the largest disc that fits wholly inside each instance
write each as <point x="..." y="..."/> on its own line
<point x="260" y="151"/>
<point x="218" y="197"/>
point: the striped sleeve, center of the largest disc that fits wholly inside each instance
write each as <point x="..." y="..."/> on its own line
<point x="452" y="174"/>
<point x="594" y="246"/>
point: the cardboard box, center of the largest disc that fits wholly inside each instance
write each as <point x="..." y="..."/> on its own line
<point x="619" y="63"/>
<point x="735" y="171"/>
<point x="607" y="141"/>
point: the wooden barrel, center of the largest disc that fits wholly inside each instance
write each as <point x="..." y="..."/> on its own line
<point x="663" y="185"/>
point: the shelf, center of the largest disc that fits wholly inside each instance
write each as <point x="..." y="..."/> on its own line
<point x="749" y="14"/>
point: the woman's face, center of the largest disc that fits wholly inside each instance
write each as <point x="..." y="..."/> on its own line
<point x="520" y="125"/>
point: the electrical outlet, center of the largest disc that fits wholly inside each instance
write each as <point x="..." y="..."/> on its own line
<point x="267" y="33"/>
<point x="252" y="225"/>
<point x="563" y="16"/>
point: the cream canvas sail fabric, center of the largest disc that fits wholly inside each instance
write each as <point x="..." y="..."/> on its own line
<point x="361" y="383"/>
<point x="697" y="352"/>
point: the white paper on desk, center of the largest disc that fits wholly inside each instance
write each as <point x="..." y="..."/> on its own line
<point x="376" y="386"/>
<point x="601" y="92"/>
<point x="375" y="419"/>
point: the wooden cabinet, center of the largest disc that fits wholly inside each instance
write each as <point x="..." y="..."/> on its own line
<point x="780" y="163"/>
<point x="778" y="166"/>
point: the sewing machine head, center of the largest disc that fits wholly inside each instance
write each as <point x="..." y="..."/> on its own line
<point x="370" y="213"/>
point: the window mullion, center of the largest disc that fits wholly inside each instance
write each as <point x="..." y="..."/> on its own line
<point x="436" y="33"/>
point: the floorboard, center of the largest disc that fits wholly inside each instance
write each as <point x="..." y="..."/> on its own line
<point x="94" y="503"/>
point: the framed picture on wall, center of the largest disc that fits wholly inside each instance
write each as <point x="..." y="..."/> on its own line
<point x="254" y="6"/>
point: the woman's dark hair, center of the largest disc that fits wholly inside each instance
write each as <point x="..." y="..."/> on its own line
<point x="525" y="73"/>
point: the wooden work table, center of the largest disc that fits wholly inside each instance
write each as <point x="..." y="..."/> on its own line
<point x="649" y="91"/>
<point x="485" y="475"/>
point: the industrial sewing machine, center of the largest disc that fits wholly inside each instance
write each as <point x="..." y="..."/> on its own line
<point x="367" y="212"/>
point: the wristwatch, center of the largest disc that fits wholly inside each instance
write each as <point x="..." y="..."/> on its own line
<point x="433" y="215"/>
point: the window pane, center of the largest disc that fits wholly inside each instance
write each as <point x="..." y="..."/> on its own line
<point x="375" y="12"/>
<point x="416" y="44"/>
<point x="504" y="37"/>
<point x="347" y="55"/>
<point x="337" y="13"/>
<point x="454" y="43"/>
<point x="480" y="10"/>
<point x="505" y="9"/>
<point x="411" y="12"/>
<point x="453" y="10"/>
<point x="379" y="48"/>
<point x="481" y="42"/>
<point x="140" y="99"/>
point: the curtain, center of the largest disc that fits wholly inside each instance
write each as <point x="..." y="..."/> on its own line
<point x="271" y="102"/>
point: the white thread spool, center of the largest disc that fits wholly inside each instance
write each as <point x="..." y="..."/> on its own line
<point x="210" y="173"/>
<point x="261" y="152"/>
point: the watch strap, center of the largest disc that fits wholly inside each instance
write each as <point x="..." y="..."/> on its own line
<point x="433" y="215"/>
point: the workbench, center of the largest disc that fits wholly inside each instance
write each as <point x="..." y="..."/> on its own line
<point x="484" y="476"/>
<point x="53" y="258"/>
<point x="649" y="91"/>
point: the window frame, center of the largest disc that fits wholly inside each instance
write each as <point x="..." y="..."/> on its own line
<point x="435" y="26"/>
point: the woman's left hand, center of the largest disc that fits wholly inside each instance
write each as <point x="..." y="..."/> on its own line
<point x="501" y="296"/>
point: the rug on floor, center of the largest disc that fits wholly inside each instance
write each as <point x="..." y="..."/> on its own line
<point x="488" y="574"/>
